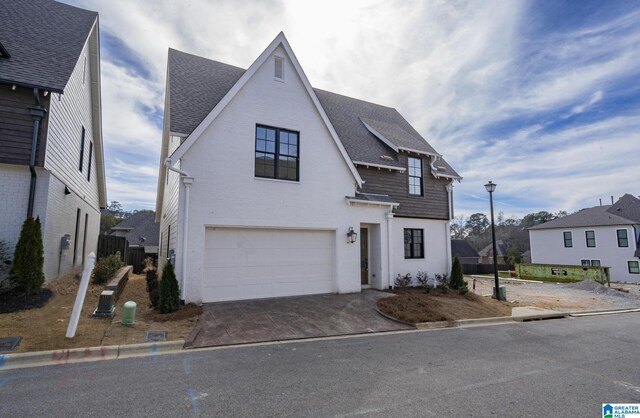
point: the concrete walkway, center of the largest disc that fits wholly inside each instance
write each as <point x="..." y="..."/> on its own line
<point x="227" y="323"/>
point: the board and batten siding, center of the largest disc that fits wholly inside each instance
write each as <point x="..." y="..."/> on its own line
<point x="434" y="204"/>
<point x="170" y="202"/>
<point x="69" y="113"/>
<point x="16" y="126"/>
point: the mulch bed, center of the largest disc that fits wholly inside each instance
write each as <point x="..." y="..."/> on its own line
<point x="415" y="305"/>
<point x="10" y="302"/>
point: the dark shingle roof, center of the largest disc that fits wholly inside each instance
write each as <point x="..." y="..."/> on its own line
<point x="501" y="248"/>
<point x="596" y="216"/>
<point x="197" y="84"/>
<point x="372" y="197"/>
<point x="627" y="207"/>
<point x="44" y="39"/>
<point x="462" y="248"/>
<point x="141" y="224"/>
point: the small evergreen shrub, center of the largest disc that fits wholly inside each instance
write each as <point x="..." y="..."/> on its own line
<point x="26" y="273"/>
<point x="423" y="280"/>
<point x="153" y="286"/>
<point x="403" y="281"/>
<point x="106" y="268"/>
<point x="457" y="277"/>
<point x="169" y="300"/>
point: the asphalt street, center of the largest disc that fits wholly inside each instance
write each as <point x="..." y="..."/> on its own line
<point x="564" y="367"/>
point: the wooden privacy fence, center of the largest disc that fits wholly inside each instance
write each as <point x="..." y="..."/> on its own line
<point x="110" y="244"/>
<point x="481" y="268"/>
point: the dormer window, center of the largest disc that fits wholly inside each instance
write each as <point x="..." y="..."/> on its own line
<point x="278" y="71"/>
<point x="415" y="176"/>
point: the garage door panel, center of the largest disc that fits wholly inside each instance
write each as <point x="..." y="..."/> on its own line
<point x="244" y="263"/>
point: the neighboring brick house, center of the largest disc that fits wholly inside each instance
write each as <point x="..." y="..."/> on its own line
<point x="464" y="251"/>
<point x="51" y="164"/>
<point x="599" y="236"/>
<point x="486" y="254"/>
<point x="265" y="182"/>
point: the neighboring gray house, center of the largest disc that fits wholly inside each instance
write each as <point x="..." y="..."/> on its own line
<point x="598" y="236"/>
<point x="269" y="187"/>
<point x="142" y="232"/>
<point x="464" y="251"/>
<point x="51" y="160"/>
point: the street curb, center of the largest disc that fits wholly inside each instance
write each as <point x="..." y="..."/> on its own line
<point x="78" y="355"/>
<point x="603" y="312"/>
<point x="538" y="317"/>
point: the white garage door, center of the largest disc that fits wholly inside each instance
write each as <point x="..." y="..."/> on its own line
<point x="243" y="263"/>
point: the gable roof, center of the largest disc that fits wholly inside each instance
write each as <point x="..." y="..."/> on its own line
<point x="44" y="39"/>
<point x="627" y="207"/>
<point x="370" y="133"/>
<point x="462" y="248"/>
<point x="197" y="86"/>
<point x="595" y="216"/>
<point x="501" y="248"/>
<point x="139" y="226"/>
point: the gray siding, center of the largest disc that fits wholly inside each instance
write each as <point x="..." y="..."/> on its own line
<point x="16" y="126"/>
<point x="434" y="204"/>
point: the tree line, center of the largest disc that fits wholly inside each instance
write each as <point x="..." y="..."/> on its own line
<point x="476" y="228"/>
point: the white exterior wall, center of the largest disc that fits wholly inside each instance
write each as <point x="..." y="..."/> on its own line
<point x="437" y="247"/>
<point x="14" y="189"/>
<point x="547" y="247"/>
<point x="226" y="193"/>
<point x="169" y="219"/>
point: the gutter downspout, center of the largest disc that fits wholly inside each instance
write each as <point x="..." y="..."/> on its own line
<point x="187" y="180"/>
<point x="38" y="113"/>
<point x="389" y="216"/>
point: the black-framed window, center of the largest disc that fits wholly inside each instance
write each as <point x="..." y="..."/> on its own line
<point x="81" y="163"/>
<point x="568" y="240"/>
<point x="591" y="238"/>
<point x="277" y="153"/>
<point x="623" y="239"/>
<point x="634" y="267"/>
<point x="413" y="243"/>
<point x="415" y="176"/>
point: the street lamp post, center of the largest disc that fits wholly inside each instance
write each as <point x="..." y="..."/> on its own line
<point x="490" y="188"/>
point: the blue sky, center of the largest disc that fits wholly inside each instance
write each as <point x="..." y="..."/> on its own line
<point x="541" y="97"/>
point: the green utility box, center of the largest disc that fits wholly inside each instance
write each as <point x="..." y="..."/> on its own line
<point x="129" y="313"/>
<point x="503" y="293"/>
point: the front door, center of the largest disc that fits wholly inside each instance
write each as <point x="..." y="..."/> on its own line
<point x="364" y="256"/>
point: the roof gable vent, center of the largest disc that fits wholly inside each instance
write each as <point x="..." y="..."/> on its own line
<point x="278" y="72"/>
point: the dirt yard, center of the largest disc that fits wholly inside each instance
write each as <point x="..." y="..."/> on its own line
<point x="415" y="305"/>
<point x="567" y="297"/>
<point x="45" y="328"/>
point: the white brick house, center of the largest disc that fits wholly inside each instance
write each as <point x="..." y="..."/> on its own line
<point x="51" y="165"/>
<point x="263" y="181"/>
<point x="600" y="236"/>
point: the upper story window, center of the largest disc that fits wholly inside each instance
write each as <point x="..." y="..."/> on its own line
<point x="623" y="239"/>
<point x="413" y="243"/>
<point x="568" y="240"/>
<point x="81" y="162"/>
<point x="415" y="176"/>
<point x="591" y="238"/>
<point x="277" y="153"/>
<point x="278" y="70"/>
<point x="590" y="263"/>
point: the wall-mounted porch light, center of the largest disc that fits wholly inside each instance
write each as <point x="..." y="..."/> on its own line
<point x="352" y="235"/>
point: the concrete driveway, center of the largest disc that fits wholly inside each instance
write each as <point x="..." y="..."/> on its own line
<point x="227" y="323"/>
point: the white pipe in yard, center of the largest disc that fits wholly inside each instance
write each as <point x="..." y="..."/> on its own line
<point x="82" y="292"/>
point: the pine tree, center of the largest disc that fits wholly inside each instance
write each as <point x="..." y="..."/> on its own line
<point x="28" y="258"/>
<point x="169" y="290"/>
<point x="457" y="277"/>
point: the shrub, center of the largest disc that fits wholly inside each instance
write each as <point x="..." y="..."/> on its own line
<point x="457" y="278"/>
<point x="403" y="281"/>
<point x="5" y="260"/>
<point x="423" y="279"/>
<point x="26" y="273"/>
<point x="443" y="281"/>
<point x="153" y="288"/>
<point x="106" y="267"/>
<point x="169" y="300"/>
